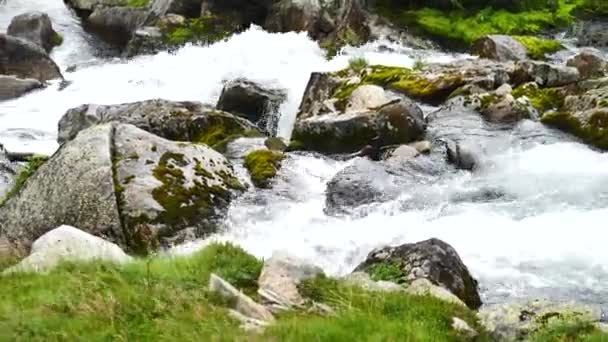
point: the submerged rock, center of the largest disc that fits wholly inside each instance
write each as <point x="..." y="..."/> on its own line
<point x="514" y="321"/>
<point x="125" y="185"/>
<point x="12" y="87"/>
<point x="499" y="47"/>
<point x="35" y="27"/>
<point x="252" y="101"/>
<point x="24" y="59"/>
<point x="180" y="121"/>
<point x="67" y="243"/>
<point x="431" y="259"/>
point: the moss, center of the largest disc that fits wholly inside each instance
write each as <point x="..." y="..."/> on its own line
<point x="26" y="172"/>
<point x="462" y="26"/>
<point x="219" y="130"/>
<point x="207" y="29"/>
<point x="138" y="3"/>
<point x="538" y="48"/>
<point x="434" y="89"/>
<point x="593" y="130"/>
<point x="386" y="271"/>
<point x="263" y="166"/>
<point x="56" y="39"/>
<point x="488" y="100"/>
<point x="543" y="99"/>
<point x="295" y="145"/>
<point x="128" y="179"/>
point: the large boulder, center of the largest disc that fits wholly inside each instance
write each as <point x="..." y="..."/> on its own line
<point x="12" y="87"/>
<point x="117" y="24"/>
<point x="35" y="27"/>
<point x="590" y="63"/>
<point x="431" y="259"/>
<point x="397" y="122"/>
<point x="250" y="100"/>
<point x="125" y="185"/>
<point x="500" y="48"/>
<point x="24" y="59"/>
<point x="67" y="243"/>
<point x="181" y="121"/>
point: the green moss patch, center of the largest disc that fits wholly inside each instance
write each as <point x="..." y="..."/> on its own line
<point x="538" y="48"/>
<point x="56" y="39"/>
<point x="26" y="172"/>
<point x="217" y="131"/>
<point x="263" y="166"/>
<point x="593" y="130"/>
<point x="543" y="99"/>
<point x="208" y="29"/>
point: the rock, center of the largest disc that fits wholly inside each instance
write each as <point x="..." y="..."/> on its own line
<point x="180" y="121"/>
<point x="463" y="327"/>
<point x="244" y="12"/>
<point x="395" y="123"/>
<point x="366" y="97"/>
<point x="334" y="23"/>
<point x="505" y="109"/>
<point x="250" y="100"/>
<point x="263" y="165"/>
<point x="241" y="303"/>
<point x="363" y="280"/>
<point x="8" y="170"/>
<point x="589" y="63"/>
<point x="87" y="6"/>
<point x="433" y="260"/>
<point x="593" y="33"/>
<point x="275" y="144"/>
<point x="35" y="27"/>
<point x="67" y="243"/>
<point x="125" y="185"/>
<point x="545" y="74"/>
<point x="12" y="87"/>
<point x="462" y="156"/>
<point x="423" y="287"/>
<point x="280" y="277"/>
<point x="514" y="321"/>
<point x="402" y="152"/>
<point x="499" y="47"/>
<point x="188" y="8"/>
<point x="247" y="323"/>
<point x="117" y="24"/>
<point x="145" y="40"/>
<point x="23" y="59"/>
<point x="423" y="146"/>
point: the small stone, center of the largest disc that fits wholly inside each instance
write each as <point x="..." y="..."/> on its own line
<point x="503" y="90"/>
<point x="364" y="281"/>
<point x="242" y="303"/>
<point x="366" y="97"/>
<point x="463" y="327"/>
<point x="275" y="144"/>
<point x="404" y="152"/>
<point x="423" y="147"/>
<point x="423" y="287"/>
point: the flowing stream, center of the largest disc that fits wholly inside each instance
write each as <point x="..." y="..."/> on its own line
<point x="547" y="238"/>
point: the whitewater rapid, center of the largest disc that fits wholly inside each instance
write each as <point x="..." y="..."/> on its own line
<point x="549" y="240"/>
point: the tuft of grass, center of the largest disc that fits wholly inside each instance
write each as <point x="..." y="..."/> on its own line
<point x="568" y="331"/>
<point x="358" y="64"/>
<point x="26" y="172"/>
<point x="419" y="64"/>
<point x="263" y="166"/>
<point x="386" y="271"/>
<point x="538" y="48"/>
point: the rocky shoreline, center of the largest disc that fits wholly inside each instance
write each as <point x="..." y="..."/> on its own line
<point x="139" y="178"/>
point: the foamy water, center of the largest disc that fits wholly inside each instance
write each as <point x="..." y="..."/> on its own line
<point x="545" y="238"/>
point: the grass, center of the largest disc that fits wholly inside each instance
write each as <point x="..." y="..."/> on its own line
<point x="26" y="172"/>
<point x="358" y="63"/>
<point x="569" y="331"/>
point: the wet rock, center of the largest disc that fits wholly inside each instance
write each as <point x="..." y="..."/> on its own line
<point x="125" y="185"/>
<point x="280" y="277"/>
<point x="67" y="243"/>
<point x="240" y="302"/>
<point x="117" y="24"/>
<point x="423" y="146"/>
<point x="180" y="121"/>
<point x="188" y="8"/>
<point x="244" y="12"/>
<point x="35" y="27"/>
<point x="593" y="33"/>
<point x="366" y="97"/>
<point x="363" y="280"/>
<point x="403" y="152"/>
<point x="8" y="170"/>
<point x="87" y="6"/>
<point x="514" y="321"/>
<point x="589" y="63"/>
<point x="461" y="155"/>
<point x="145" y="40"/>
<point x="24" y="59"/>
<point x="505" y="108"/>
<point x="275" y="144"/>
<point x="500" y="48"/>
<point x="250" y="100"/>
<point x="433" y="260"/>
<point x="546" y="74"/>
<point x="12" y="87"/>
<point x="395" y="123"/>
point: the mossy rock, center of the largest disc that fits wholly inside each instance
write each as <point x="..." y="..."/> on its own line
<point x="538" y="48"/>
<point x="207" y="30"/>
<point x="591" y="126"/>
<point x="263" y="165"/>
